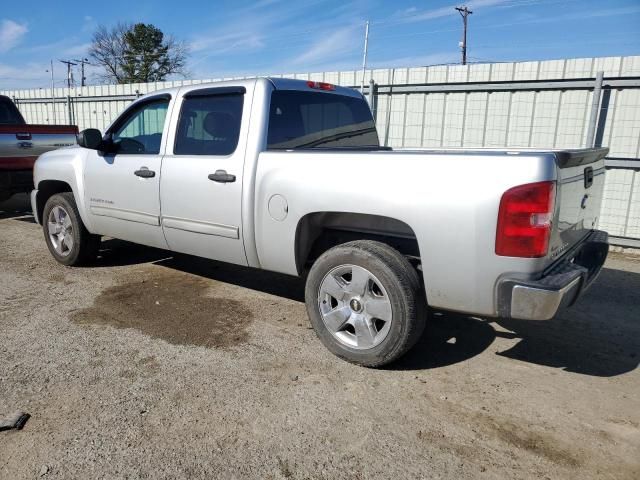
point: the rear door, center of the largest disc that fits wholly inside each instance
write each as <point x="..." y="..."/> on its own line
<point x="123" y="188"/>
<point x="201" y="186"/>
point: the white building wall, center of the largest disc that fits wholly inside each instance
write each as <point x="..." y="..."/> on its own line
<point x="542" y="119"/>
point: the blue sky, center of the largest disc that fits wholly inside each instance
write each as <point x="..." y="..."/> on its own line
<point x="238" y="37"/>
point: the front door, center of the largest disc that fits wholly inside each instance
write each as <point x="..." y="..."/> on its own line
<point x="123" y="187"/>
<point x="201" y="184"/>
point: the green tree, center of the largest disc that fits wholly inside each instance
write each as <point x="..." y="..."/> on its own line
<point x="138" y="52"/>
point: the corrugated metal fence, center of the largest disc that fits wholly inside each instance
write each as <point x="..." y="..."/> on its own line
<point x="545" y="104"/>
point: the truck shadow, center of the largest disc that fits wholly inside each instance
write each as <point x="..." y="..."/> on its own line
<point x="449" y="338"/>
<point x="278" y="284"/>
<point x="118" y="253"/>
<point x="17" y="207"/>
<point x="115" y="252"/>
<point x="600" y="336"/>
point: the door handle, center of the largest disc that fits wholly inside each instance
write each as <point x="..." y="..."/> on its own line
<point x="144" y="172"/>
<point x="222" y="176"/>
<point x="588" y="177"/>
<point x="23" y="136"/>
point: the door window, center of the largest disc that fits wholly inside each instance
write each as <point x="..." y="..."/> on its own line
<point x="141" y="131"/>
<point x="209" y="125"/>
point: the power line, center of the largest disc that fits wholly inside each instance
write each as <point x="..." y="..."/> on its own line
<point x="464" y="13"/>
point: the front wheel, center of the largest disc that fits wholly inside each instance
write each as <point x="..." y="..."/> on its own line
<point x="365" y="302"/>
<point x="67" y="238"/>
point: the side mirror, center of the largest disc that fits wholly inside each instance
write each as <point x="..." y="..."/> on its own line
<point x="90" y="138"/>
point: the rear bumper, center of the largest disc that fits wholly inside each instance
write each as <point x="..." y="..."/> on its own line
<point x="559" y="286"/>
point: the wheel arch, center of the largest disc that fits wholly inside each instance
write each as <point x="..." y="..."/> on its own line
<point x="46" y="189"/>
<point x="319" y="231"/>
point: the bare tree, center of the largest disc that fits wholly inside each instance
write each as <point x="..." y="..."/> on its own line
<point x="107" y="50"/>
<point x="137" y="53"/>
<point x="177" y="58"/>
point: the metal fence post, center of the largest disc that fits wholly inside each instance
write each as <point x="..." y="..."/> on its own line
<point x="69" y="113"/>
<point x="373" y="97"/>
<point x="595" y="109"/>
<point x="388" y="119"/>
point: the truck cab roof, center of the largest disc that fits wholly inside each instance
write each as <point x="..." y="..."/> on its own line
<point x="276" y="82"/>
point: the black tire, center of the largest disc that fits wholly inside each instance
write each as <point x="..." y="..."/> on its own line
<point x="85" y="245"/>
<point x="403" y="289"/>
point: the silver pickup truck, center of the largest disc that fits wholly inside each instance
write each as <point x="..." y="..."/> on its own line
<point x="289" y="176"/>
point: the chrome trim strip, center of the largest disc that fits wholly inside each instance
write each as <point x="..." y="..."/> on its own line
<point x="205" y="228"/>
<point x="122" y="214"/>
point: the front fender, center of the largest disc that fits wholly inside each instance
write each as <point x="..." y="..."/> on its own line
<point x="65" y="165"/>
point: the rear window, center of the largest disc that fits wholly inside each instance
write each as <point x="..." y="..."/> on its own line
<point x="300" y="119"/>
<point x="9" y="113"/>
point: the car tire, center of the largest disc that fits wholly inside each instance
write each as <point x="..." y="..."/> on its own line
<point x="365" y="302"/>
<point x="67" y="238"/>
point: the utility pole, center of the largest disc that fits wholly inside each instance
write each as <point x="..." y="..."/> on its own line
<point x="364" y="59"/>
<point x="69" y="64"/>
<point x="53" y="95"/>
<point x="83" y="79"/>
<point x="464" y="13"/>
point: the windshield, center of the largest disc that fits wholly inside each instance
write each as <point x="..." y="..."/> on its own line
<point x="9" y="114"/>
<point x="300" y="119"/>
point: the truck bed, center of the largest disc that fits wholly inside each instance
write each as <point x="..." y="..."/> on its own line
<point x="20" y="146"/>
<point x="579" y="188"/>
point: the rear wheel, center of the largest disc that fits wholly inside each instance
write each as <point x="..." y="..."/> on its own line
<point x="67" y="238"/>
<point x="365" y="302"/>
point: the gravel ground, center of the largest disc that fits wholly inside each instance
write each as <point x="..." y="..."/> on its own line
<point x="150" y="365"/>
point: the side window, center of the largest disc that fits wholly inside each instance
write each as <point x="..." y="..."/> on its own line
<point x="209" y="125"/>
<point x="141" y="131"/>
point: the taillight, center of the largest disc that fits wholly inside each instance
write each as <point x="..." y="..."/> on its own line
<point x="524" y="220"/>
<point x="320" y="85"/>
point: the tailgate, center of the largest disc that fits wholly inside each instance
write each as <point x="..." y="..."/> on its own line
<point x="20" y="145"/>
<point x="579" y="196"/>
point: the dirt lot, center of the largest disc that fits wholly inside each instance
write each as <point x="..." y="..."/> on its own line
<point x="154" y="366"/>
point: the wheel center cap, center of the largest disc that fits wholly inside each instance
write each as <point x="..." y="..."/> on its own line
<point x="355" y="305"/>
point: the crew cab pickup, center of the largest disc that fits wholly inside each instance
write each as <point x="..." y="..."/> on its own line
<point x="20" y="145"/>
<point x="289" y="176"/>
